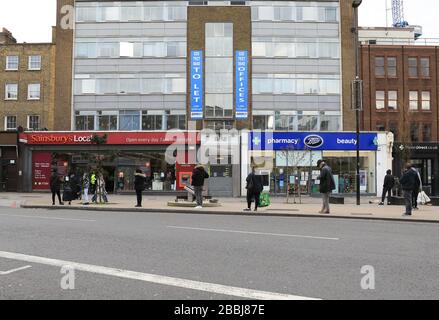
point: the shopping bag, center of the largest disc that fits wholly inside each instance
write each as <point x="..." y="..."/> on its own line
<point x="264" y="200"/>
<point x="423" y="198"/>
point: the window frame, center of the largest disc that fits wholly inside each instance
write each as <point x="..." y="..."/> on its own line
<point x="29" y="91"/>
<point x="7" y="63"/>
<point x="6" y="123"/>
<point x="6" y="91"/>
<point x="410" y="67"/>
<point x="29" y="66"/>
<point x="28" y="121"/>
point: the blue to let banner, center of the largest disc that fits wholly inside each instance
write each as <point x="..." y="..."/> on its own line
<point x="241" y="85"/>
<point x="196" y="85"/>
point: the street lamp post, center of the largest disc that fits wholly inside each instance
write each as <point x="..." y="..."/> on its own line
<point x="357" y="93"/>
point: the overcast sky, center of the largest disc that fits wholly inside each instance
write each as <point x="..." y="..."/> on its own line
<point x="31" y="20"/>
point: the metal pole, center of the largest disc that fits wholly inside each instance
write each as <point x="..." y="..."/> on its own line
<point x="357" y="107"/>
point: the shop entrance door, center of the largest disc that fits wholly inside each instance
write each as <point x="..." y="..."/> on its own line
<point x="425" y="167"/>
<point x="109" y="173"/>
<point x="220" y="182"/>
<point x="8" y="178"/>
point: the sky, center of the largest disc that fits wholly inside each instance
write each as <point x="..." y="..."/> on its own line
<point x="31" y="20"/>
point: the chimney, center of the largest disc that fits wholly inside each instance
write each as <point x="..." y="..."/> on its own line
<point x="6" y="37"/>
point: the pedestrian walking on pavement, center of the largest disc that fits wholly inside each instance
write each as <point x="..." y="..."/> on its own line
<point x="254" y="188"/>
<point x="417" y="189"/>
<point x="408" y="183"/>
<point x="199" y="174"/>
<point x="389" y="183"/>
<point x="139" y="185"/>
<point x="327" y="184"/>
<point x="55" y="186"/>
<point x="85" y="187"/>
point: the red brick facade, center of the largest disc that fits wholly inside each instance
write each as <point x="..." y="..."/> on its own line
<point x="417" y="119"/>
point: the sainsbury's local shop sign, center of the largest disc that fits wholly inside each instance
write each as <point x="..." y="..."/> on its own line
<point x="113" y="138"/>
<point x="312" y="141"/>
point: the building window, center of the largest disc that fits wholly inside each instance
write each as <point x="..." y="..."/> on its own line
<point x="425" y="100"/>
<point x="34" y="62"/>
<point x="413" y="100"/>
<point x="33" y="122"/>
<point x="380" y="100"/>
<point x="392" y="100"/>
<point x="413" y="67"/>
<point x="152" y="121"/>
<point x="12" y="63"/>
<point x="426" y="132"/>
<point x="379" y="67"/>
<point x="425" y="67"/>
<point x="129" y="120"/>
<point x="391" y="67"/>
<point x="263" y="122"/>
<point x="219" y="70"/>
<point x="307" y="121"/>
<point x="85" y="122"/>
<point x="176" y="121"/>
<point x="380" y="126"/>
<point x="284" y="122"/>
<point x="33" y="91"/>
<point x="11" y="91"/>
<point x="414" y="132"/>
<point x="10" y="123"/>
<point x="107" y="122"/>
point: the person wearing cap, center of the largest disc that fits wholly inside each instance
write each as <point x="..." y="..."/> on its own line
<point x="327" y="184"/>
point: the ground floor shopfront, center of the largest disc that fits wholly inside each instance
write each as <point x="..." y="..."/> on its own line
<point x="9" y="162"/>
<point x="425" y="158"/>
<point x="288" y="160"/>
<point x="155" y="153"/>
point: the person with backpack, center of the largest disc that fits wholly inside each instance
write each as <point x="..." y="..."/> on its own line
<point x="55" y="186"/>
<point x="139" y="186"/>
<point x="199" y="174"/>
<point x="254" y="188"/>
<point x="327" y="184"/>
<point x="389" y="183"/>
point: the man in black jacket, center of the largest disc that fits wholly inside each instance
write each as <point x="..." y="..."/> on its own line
<point x="139" y="186"/>
<point x="389" y="183"/>
<point x="55" y="186"/>
<point x="198" y="176"/>
<point x="327" y="184"/>
<point x="416" y="189"/>
<point x="408" y="183"/>
<point x="254" y="188"/>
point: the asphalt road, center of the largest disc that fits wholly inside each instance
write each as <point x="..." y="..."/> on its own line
<point x="181" y="256"/>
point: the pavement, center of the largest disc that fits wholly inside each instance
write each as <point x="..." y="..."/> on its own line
<point x="168" y="256"/>
<point x="304" y="207"/>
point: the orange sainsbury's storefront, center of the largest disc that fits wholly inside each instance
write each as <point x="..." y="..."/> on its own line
<point x="119" y="154"/>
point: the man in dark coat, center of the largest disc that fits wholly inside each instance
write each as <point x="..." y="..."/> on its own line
<point x="416" y="189"/>
<point x="198" y="176"/>
<point x="139" y="185"/>
<point x="389" y="183"/>
<point x="408" y="184"/>
<point x="327" y="184"/>
<point x="55" y="186"/>
<point x="254" y="188"/>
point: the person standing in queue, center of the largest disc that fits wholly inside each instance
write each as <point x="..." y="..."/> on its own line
<point x="327" y="184"/>
<point x="254" y="188"/>
<point x="55" y="187"/>
<point x="199" y="174"/>
<point x="139" y="186"/>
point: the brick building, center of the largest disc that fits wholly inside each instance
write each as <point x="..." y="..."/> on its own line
<point x="27" y="84"/>
<point x="401" y="96"/>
